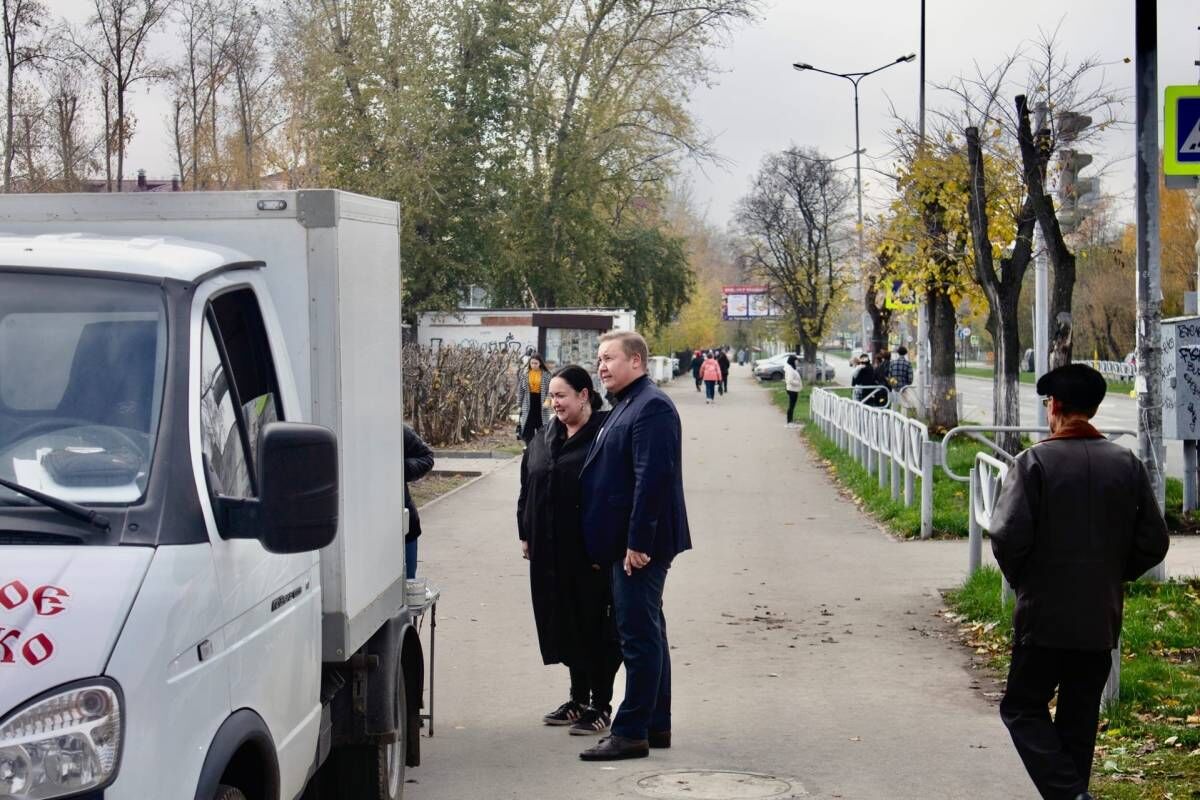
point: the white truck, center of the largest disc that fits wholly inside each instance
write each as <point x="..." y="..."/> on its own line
<point x="202" y="499"/>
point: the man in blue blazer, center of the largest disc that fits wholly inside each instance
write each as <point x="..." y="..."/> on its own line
<point x="634" y="520"/>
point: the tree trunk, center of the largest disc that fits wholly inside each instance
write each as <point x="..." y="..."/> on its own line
<point x="1034" y="156"/>
<point x="108" y="134"/>
<point x="881" y="316"/>
<point x="1002" y="289"/>
<point x="809" y="370"/>
<point x="8" y="129"/>
<point x="120" y="138"/>
<point x="943" y="408"/>
<point x="1006" y="398"/>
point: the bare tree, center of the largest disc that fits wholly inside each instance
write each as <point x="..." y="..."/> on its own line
<point x="118" y="50"/>
<point x="250" y="84"/>
<point x="793" y="235"/>
<point x="1002" y="288"/>
<point x="73" y="148"/>
<point x="24" y="45"/>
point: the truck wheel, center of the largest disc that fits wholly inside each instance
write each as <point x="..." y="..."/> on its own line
<point x="228" y="793"/>
<point x="374" y="771"/>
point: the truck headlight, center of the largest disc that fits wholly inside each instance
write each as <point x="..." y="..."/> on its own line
<point x="63" y="744"/>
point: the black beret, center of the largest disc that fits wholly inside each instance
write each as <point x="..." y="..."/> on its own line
<point x="1077" y="385"/>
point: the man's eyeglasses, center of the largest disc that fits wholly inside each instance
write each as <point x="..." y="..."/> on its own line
<point x="1046" y="401"/>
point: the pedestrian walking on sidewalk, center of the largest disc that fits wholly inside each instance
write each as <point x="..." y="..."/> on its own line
<point x="418" y="462"/>
<point x="899" y="370"/>
<point x="635" y="521"/>
<point x="533" y="390"/>
<point x="697" y="362"/>
<point x="723" y="363"/>
<point x="793" y="383"/>
<point x="710" y="373"/>
<point x="1075" y="519"/>
<point x="572" y="595"/>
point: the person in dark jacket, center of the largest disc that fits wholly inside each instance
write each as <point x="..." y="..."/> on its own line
<point x="723" y="362"/>
<point x="1076" y="518"/>
<point x="697" y="362"/>
<point x="635" y="523"/>
<point x="863" y="375"/>
<point x="572" y="596"/>
<point x="418" y="461"/>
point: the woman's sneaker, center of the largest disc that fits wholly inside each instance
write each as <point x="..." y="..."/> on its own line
<point x="565" y="714"/>
<point x="593" y="722"/>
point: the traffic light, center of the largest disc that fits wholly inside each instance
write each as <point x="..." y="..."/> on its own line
<point x="1076" y="195"/>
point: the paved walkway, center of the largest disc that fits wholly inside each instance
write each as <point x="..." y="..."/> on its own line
<point x="806" y="643"/>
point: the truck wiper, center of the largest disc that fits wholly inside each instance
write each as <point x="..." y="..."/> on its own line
<point x="65" y="506"/>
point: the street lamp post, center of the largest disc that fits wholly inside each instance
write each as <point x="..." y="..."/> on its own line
<point x="855" y="78"/>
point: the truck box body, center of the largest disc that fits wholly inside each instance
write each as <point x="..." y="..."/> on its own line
<point x="333" y="269"/>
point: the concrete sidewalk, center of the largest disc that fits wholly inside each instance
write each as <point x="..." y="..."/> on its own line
<point x="805" y="643"/>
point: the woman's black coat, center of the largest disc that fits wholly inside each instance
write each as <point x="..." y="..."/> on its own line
<point x="572" y="601"/>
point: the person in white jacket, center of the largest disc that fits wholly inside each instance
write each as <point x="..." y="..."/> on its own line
<point x="793" y="384"/>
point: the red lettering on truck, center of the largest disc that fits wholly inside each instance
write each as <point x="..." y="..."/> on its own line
<point x="34" y="651"/>
<point x="48" y="600"/>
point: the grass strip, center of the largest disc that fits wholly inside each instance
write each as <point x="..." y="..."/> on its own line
<point x="1115" y="386"/>
<point x="1149" y="744"/>
<point x="949" y="496"/>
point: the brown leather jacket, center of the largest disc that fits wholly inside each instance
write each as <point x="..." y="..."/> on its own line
<point x="1075" y="519"/>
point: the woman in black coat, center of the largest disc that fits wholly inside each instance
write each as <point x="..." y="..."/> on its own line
<point x="572" y="597"/>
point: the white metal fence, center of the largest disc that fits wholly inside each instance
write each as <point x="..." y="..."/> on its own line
<point x="888" y="444"/>
<point x="1113" y="370"/>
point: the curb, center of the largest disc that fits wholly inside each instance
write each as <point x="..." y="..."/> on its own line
<point x="478" y="477"/>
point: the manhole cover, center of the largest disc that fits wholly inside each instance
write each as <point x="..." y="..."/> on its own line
<point x="714" y="785"/>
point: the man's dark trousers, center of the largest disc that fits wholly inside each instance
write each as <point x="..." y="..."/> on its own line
<point x="1058" y="754"/>
<point x="643" y="631"/>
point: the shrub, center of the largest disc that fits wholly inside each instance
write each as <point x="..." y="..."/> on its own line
<point x="453" y="394"/>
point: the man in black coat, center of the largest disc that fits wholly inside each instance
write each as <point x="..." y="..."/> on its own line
<point x="723" y="363"/>
<point x="634" y="519"/>
<point x="1075" y="519"/>
<point x="418" y="461"/>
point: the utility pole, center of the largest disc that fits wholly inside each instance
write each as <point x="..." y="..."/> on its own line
<point x="1149" y="250"/>
<point x="1041" y="287"/>
<point x="924" y="360"/>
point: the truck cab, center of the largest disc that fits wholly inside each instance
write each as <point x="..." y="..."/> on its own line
<point x="201" y="545"/>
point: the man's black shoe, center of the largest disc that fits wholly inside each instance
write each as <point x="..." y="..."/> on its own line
<point x="660" y="740"/>
<point x="1084" y="796"/>
<point x="614" y="748"/>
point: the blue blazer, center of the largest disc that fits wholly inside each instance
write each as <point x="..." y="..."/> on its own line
<point x="632" y="480"/>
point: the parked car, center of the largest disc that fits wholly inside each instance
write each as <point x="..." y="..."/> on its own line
<point x="771" y="369"/>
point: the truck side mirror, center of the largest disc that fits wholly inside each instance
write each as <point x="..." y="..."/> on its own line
<point x="298" y="487"/>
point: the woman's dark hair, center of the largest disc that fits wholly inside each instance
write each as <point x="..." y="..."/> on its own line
<point x="791" y="361"/>
<point x="541" y="361"/>
<point x="579" y="379"/>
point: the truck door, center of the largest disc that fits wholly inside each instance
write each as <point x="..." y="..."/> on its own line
<point x="271" y="602"/>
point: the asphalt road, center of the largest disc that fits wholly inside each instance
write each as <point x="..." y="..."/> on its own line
<point x="1118" y="411"/>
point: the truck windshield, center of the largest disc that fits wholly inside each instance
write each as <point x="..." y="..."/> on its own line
<point x="81" y="374"/>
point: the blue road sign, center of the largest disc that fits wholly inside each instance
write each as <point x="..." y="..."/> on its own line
<point x="1181" y="131"/>
<point x="1187" y="129"/>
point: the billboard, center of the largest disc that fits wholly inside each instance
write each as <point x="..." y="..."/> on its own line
<point x="748" y="302"/>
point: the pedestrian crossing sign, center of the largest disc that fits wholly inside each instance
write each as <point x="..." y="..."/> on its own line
<point x="1181" y="131"/>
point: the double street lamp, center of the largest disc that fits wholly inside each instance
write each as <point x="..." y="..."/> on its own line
<point x="855" y="78"/>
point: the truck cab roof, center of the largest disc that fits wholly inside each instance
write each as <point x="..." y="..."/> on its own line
<point x="151" y="257"/>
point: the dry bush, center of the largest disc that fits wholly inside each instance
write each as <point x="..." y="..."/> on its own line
<point x="453" y="394"/>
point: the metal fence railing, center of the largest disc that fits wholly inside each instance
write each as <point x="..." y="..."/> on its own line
<point x="1113" y="370"/>
<point x="889" y="445"/>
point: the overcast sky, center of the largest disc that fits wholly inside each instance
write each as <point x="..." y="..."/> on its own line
<point x="760" y="104"/>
